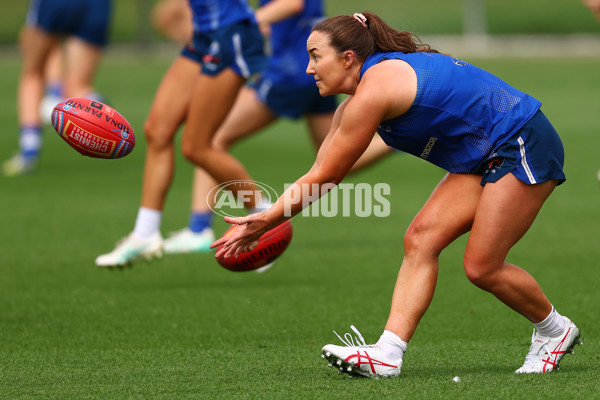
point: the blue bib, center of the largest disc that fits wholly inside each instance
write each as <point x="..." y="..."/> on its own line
<point x="289" y="57"/>
<point x="461" y="113"/>
<point x="210" y="15"/>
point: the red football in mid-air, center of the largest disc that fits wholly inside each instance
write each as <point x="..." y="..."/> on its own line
<point x="270" y="246"/>
<point x="93" y="128"/>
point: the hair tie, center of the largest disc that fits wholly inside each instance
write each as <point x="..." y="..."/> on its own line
<point x="361" y="18"/>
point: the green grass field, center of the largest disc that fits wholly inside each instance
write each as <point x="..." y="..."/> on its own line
<point x="183" y="327"/>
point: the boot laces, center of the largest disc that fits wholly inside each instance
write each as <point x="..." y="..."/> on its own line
<point x="535" y="355"/>
<point x="352" y="341"/>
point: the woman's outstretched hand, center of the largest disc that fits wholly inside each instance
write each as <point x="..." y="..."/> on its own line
<point x="244" y="238"/>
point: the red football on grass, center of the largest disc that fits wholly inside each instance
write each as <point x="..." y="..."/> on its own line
<point x="93" y="128"/>
<point x="269" y="247"/>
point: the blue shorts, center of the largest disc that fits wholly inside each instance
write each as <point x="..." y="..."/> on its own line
<point x="86" y="19"/>
<point x="293" y="102"/>
<point x="239" y="47"/>
<point x="534" y="154"/>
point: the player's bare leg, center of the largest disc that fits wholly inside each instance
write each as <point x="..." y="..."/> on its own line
<point x="54" y="83"/>
<point x="35" y="49"/>
<point x="212" y="101"/>
<point x="505" y="212"/>
<point x="167" y="113"/>
<point x="247" y="116"/>
<point x="447" y="214"/>
<point x="81" y="62"/>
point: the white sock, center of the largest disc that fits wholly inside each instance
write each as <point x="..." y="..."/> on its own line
<point x="94" y="96"/>
<point x="553" y="326"/>
<point x="147" y="222"/>
<point x="392" y="346"/>
<point x="30" y="141"/>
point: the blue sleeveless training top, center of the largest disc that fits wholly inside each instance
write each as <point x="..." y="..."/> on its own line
<point x="461" y="113"/>
<point x="210" y="15"/>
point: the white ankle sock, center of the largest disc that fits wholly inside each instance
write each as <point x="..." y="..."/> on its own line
<point x="392" y="346"/>
<point x="553" y="326"/>
<point x="147" y="222"/>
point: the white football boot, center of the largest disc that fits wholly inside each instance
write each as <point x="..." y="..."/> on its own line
<point x="132" y="248"/>
<point x="360" y="359"/>
<point x="18" y="165"/>
<point x="545" y="353"/>
<point x="265" y="268"/>
<point x="186" y="241"/>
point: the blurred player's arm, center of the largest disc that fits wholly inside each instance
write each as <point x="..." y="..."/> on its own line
<point x="275" y="11"/>
<point x="173" y="19"/>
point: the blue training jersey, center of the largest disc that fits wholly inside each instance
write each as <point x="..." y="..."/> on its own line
<point x="210" y="15"/>
<point x="289" y="58"/>
<point x="461" y="113"/>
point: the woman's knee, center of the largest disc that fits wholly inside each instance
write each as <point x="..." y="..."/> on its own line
<point x="480" y="270"/>
<point x="221" y="143"/>
<point x="195" y="152"/>
<point x="421" y="237"/>
<point x="158" y="135"/>
<point x="189" y="151"/>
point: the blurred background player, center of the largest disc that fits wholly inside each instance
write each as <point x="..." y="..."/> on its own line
<point x="84" y="24"/>
<point x="169" y="112"/>
<point x="199" y="89"/>
<point x="283" y="90"/>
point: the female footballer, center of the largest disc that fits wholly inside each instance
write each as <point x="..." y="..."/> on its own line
<point x="503" y="159"/>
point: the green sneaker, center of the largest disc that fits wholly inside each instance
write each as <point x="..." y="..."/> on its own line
<point x="131" y="249"/>
<point x="18" y="165"/>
